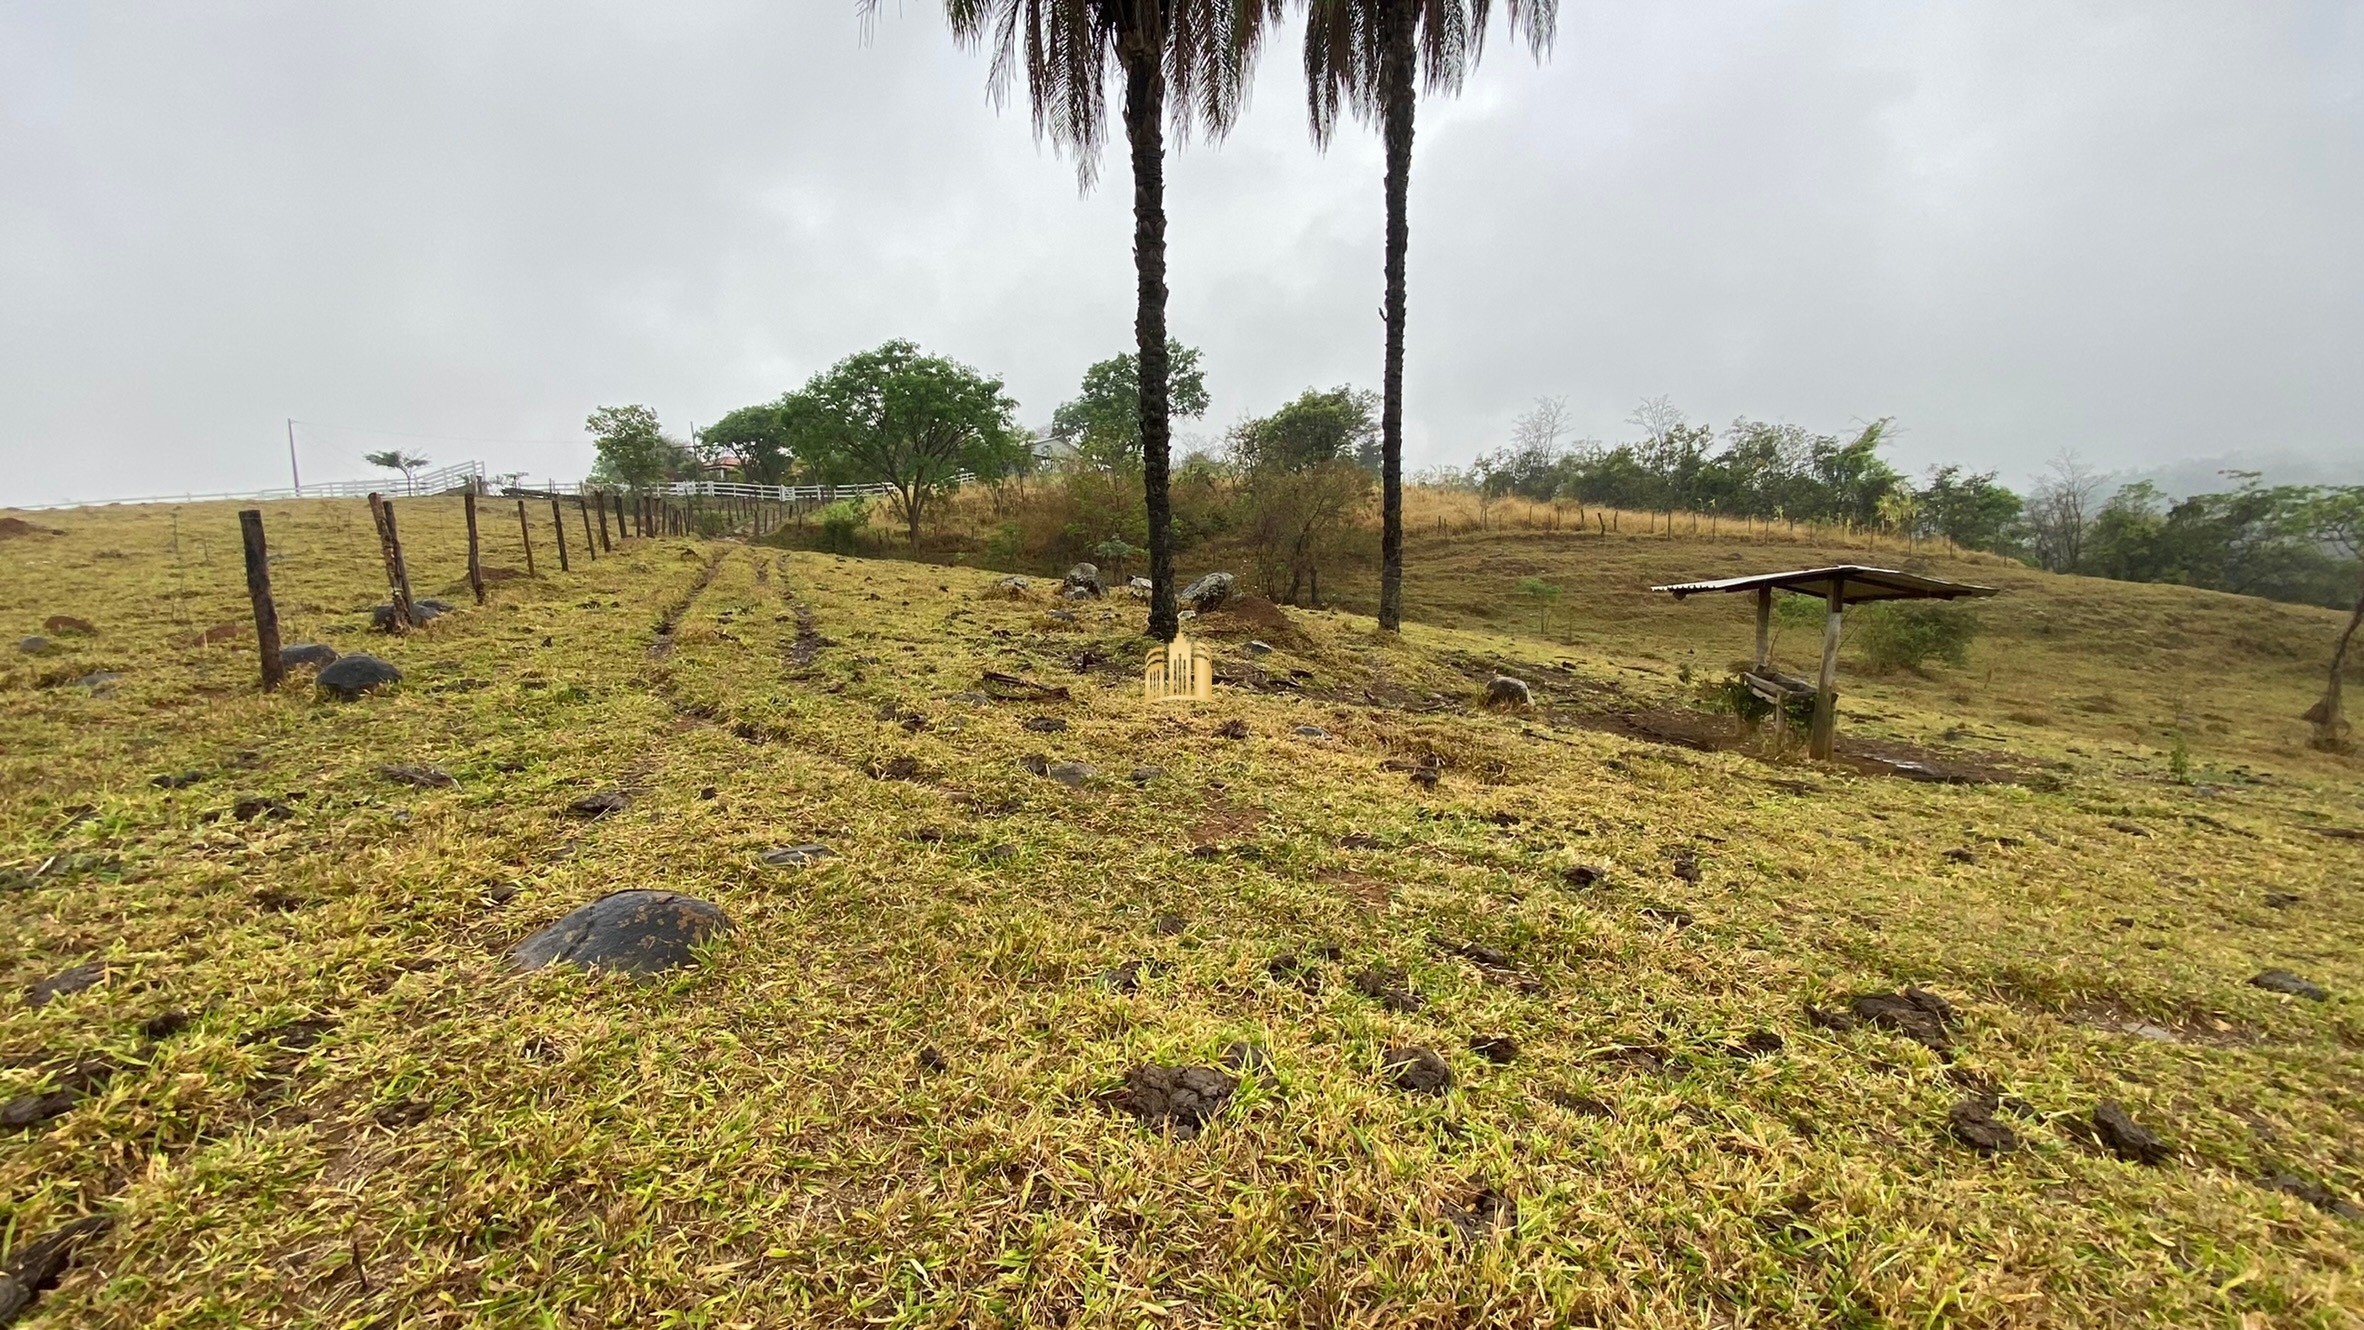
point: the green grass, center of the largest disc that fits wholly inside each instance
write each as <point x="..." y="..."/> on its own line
<point x="369" y="1120"/>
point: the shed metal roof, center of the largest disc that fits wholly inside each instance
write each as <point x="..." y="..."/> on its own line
<point x="1857" y="583"/>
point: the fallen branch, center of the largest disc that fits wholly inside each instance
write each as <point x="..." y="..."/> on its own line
<point x="1056" y="691"/>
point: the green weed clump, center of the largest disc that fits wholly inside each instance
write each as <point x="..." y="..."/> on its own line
<point x="1905" y="635"/>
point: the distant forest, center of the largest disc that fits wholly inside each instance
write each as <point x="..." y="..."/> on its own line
<point x="2299" y="543"/>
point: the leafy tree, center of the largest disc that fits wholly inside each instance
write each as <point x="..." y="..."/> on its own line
<point x="1318" y="427"/>
<point x="2334" y="515"/>
<point x="394" y="459"/>
<point x="1543" y="594"/>
<point x="910" y="419"/>
<point x="758" y="436"/>
<point x="1365" y="56"/>
<point x="1300" y="485"/>
<point x="1183" y="60"/>
<point x="1103" y="423"/>
<point x="1969" y="509"/>
<point x="633" y="450"/>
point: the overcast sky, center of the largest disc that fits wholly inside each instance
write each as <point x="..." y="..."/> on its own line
<point x="2017" y="226"/>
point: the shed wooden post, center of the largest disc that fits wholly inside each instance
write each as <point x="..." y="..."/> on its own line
<point x="258" y="590"/>
<point x="475" y="552"/>
<point x="583" y="510"/>
<point x="381" y="514"/>
<point x="1764" y="628"/>
<point x="525" y="533"/>
<point x="1826" y="694"/>
<point x="558" y="526"/>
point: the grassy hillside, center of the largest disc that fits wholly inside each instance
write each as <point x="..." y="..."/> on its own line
<point x="306" y="1090"/>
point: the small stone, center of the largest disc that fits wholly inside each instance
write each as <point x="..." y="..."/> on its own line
<point x="636" y="932"/>
<point x="929" y="1058"/>
<point x="1504" y="691"/>
<point x="256" y="808"/>
<point x="177" y="780"/>
<point x="1501" y="1050"/>
<point x="1183" y="1098"/>
<point x="1916" y="1014"/>
<point x="1208" y="593"/>
<point x="2317" y="1195"/>
<point x="32" y="1109"/>
<point x="1139" y="588"/>
<point x="1144" y="775"/>
<point x="1310" y="732"/>
<point x="1759" y="1044"/>
<point x="1074" y="775"/>
<point x="968" y="698"/>
<point x="1044" y="725"/>
<point x="100" y="683"/>
<point x="349" y="677"/>
<point x="310" y="655"/>
<point x="87" y="975"/>
<point x="2126" y="1138"/>
<point x="2129" y="828"/>
<point x="1012" y="588"/>
<point x="1417" y="1070"/>
<point x="1246" y="1058"/>
<point x="1972" y="1122"/>
<point x="1061" y="616"/>
<point x="798" y="856"/>
<point x="2283" y="981"/>
<point x="426" y="778"/>
<point x="1256" y="648"/>
<point x="164" y="1025"/>
<point x="1232" y="729"/>
<point x="1170" y="925"/>
<point x="34" y="646"/>
<point x="66" y="625"/>
<point x="599" y="804"/>
<point x="1585" y="876"/>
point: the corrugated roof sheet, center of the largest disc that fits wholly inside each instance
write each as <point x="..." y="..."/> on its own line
<point x="1858" y="583"/>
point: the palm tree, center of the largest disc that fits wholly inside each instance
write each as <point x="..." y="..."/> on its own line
<point x="1363" y="56"/>
<point x="1184" y="61"/>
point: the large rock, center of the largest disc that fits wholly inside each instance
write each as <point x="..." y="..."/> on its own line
<point x="1504" y="691"/>
<point x="381" y="617"/>
<point x="308" y="654"/>
<point x="1139" y="588"/>
<point x="349" y="677"/>
<point x="33" y="646"/>
<point x="1086" y="578"/>
<point x="635" y="932"/>
<point x="1208" y="593"/>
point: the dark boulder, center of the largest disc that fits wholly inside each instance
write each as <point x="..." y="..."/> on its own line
<point x="1085" y="578"/>
<point x="1208" y="593"/>
<point x="636" y="932"/>
<point x="349" y="677"/>
<point x="310" y="655"/>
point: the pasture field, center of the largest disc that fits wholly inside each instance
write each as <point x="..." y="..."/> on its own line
<point x="1731" y="1041"/>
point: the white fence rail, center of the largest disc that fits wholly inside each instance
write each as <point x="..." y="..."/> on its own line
<point x="461" y="475"/>
<point x="442" y="480"/>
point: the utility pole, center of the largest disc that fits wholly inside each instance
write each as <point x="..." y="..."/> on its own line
<point x="291" y="462"/>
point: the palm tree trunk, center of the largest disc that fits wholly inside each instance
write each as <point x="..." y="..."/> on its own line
<point x="1145" y="98"/>
<point x="2329" y="724"/>
<point x="1397" y="96"/>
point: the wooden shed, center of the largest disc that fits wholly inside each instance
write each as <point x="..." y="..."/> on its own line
<point x="1838" y="587"/>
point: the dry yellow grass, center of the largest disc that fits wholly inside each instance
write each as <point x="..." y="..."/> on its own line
<point x="368" y="1121"/>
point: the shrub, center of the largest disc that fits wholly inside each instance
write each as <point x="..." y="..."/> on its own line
<point x="1907" y="635"/>
<point x="841" y="524"/>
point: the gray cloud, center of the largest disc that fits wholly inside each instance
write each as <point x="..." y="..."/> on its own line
<point x="2017" y="227"/>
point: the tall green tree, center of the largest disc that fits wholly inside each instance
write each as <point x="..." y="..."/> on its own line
<point x="912" y="420"/>
<point x="758" y="437"/>
<point x="1180" y="61"/>
<point x="1103" y="422"/>
<point x="2334" y="515"/>
<point x="395" y="459"/>
<point x="633" y="450"/>
<point x="1371" y="57"/>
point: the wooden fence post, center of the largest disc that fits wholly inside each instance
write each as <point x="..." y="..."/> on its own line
<point x="381" y="511"/>
<point x="475" y="553"/>
<point x="605" y="544"/>
<point x="583" y="510"/>
<point x="258" y="590"/>
<point x="525" y="534"/>
<point x="558" y="525"/>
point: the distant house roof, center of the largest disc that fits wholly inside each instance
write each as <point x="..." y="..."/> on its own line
<point x="1857" y="583"/>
